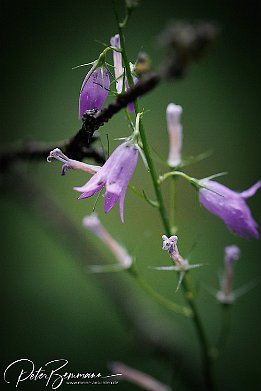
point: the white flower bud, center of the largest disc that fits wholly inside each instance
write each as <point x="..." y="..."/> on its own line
<point x="173" y="113"/>
<point x="93" y="223"/>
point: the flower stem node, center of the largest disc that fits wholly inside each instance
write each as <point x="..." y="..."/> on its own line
<point x="181" y="265"/>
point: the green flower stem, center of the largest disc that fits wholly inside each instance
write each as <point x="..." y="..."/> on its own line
<point x="225" y="327"/>
<point x="173" y="205"/>
<point x="205" y="351"/>
<point x="164" y="217"/>
<point x="191" y="180"/>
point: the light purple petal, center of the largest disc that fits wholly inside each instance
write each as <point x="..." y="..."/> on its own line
<point x="90" y="193"/>
<point x="110" y="200"/>
<point x="115" y="174"/>
<point x="251" y="191"/>
<point x="125" y="163"/>
<point x="130" y="106"/>
<point x="121" y="205"/>
<point x="94" y="91"/>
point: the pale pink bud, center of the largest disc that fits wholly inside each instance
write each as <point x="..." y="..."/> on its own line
<point x="173" y="113"/>
<point x="93" y="223"/>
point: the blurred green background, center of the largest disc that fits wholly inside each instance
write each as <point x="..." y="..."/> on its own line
<point x="52" y="308"/>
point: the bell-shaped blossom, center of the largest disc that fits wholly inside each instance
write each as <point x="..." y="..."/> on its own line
<point x="94" y="90"/>
<point x="231" y="256"/>
<point x="174" y="126"/>
<point x="115" y="174"/>
<point x="230" y="206"/>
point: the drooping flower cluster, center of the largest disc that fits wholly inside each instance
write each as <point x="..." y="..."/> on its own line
<point x="230" y="206"/>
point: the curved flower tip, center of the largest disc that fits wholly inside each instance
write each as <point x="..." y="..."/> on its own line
<point x="115" y="174"/>
<point x="94" y="90"/>
<point x="251" y="191"/>
<point x="230" y="206"/>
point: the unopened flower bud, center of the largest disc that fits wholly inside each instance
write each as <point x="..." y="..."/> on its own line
<point x="93" y="223"/>
<point x="117" y="60"/>
<point x="231" y="255"/>
<point x="175" y="134"/>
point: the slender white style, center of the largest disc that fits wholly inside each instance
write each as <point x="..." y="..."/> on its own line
<point x="70" y="164"/>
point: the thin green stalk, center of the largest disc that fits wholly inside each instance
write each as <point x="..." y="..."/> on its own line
<point x="173" y="205"/>
<point x="205" y="353"/>
<point x="225" y="327"/>
<point x="164" y="217"/>
<point x="168" y="304"/>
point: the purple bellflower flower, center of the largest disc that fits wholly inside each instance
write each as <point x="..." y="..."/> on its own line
<point x="115" y="174"/>
<point x="94" y="90"/>
<point x="230" y="206"/>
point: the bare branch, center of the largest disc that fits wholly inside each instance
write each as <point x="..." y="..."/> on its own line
<point x="184" y="42"/>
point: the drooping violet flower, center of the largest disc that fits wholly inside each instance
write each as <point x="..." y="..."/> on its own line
<point x="117" y="60"/>
<point x="115" y="174"/>
<point x="93" y="223"/>
<point x="230" y="206"/>
<point x="174" y="126"/>
<point x="94" y="90"/>
<point x="231" y="256"/>
<point x="70" y="164"/>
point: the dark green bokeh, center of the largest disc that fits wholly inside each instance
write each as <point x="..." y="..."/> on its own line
<point x="53" y="309"/>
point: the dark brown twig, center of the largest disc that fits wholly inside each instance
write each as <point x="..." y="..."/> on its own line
<point x="185" y="43"/>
